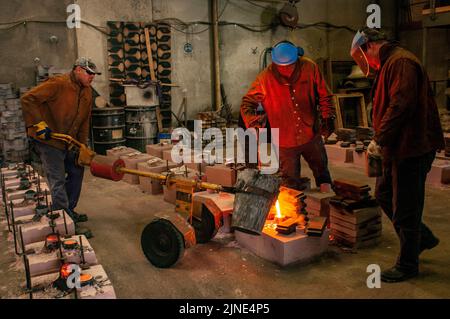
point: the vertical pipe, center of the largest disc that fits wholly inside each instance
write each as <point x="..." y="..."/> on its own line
<point x="65" y="222"/>
<point x="21" y="240"/>
<point x="13" y="221"/>
<point x="424" y="46"/>
<point x="2" y="181"/>
<point x="83" y="260"/>
<point x="216" y="55"/>
<point x="28" y="275"/>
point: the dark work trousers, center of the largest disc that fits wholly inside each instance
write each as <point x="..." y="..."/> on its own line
<point x="314" y="154"/>
<point x="63" y="174"/>
<point x="400" y="191"/>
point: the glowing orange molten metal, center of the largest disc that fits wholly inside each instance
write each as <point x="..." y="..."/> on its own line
<point x="277" y="206"/>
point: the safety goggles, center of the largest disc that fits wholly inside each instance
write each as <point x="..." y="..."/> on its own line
<point x="89" y="72"/>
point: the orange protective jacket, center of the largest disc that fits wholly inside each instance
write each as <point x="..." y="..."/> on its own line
<point x="63" y="104"/>
<point x="293" y="105"/>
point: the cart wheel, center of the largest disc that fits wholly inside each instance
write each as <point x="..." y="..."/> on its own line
<point x="205" y="229"/>
<point x="162" y="243"/>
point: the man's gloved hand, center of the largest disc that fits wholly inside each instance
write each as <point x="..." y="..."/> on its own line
<point x="374" y="149"/>
<point x="85" y="156"/>
<point x="42" y="131"/>
<point x="327" y="127"/>
<point x="260" y="121"/>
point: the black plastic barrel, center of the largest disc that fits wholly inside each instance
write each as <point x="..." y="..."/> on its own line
<point x="141" y="127"/>
<point x="108" y="126"/>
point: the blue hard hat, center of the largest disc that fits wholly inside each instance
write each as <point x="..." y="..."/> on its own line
<point x="285" y="53"/>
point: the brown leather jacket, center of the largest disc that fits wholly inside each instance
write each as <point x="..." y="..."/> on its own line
<point x="63" y="104"/>
<point x="405" y="115"/>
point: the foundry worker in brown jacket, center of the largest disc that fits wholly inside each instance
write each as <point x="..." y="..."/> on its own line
<point x="407" y="135"/>
<point x="62" y="104"/>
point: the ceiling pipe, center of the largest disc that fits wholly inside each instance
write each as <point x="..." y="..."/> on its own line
<point x="216" y="55"/>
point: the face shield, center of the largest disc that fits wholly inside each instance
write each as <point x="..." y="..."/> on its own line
<point x="359" y="55"/>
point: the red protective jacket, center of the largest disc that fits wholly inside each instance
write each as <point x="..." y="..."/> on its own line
<point x="405" y="115"/>
<point x="292" y="105"/>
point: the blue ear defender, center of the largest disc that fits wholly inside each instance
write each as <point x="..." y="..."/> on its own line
<point x="285" y="53"/>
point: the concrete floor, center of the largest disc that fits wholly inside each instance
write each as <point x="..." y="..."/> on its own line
<point x="221" y="269"/>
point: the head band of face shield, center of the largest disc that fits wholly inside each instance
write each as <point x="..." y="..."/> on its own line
<point x="358" y="41"/>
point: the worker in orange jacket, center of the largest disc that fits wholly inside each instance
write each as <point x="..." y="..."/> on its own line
<point x="296" y="99"/>
<point x="62" y="104"/>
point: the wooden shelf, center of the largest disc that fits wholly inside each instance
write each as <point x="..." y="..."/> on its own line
<point x="437" y="10"/>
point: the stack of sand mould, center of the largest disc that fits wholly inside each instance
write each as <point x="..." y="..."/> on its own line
<point x="447" y="144"/>
<point x="212" y="120"/>
<point x="364" y="133"/>
<point x="318" y="202"/>
<point x="316" y="226"/>
<point x="346" y="135"/>
<point x="355" y="218"/>
<point x="45" y="241"/>
<point x="14" y="142"/>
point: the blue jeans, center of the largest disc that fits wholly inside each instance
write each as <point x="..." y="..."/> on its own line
<point x="63" y="174"/>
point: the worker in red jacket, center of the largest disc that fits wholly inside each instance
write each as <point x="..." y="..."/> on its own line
<point x="407" y="134"/>
<point x="297" y="101"/>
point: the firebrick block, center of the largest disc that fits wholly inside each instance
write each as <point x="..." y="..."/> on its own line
<point x="439" y="173"/>
<point x="158" y="149"/>
<point x="101" y="288"/>
<point x="20" y="194"/>
<point x="152" y="186"/>
<point x="221" y="174"/>
<point x="131" y="160"/>
<point x="284" y="249"/>
<point x="43" y="262"/>
<point x="119" y="151"/>
<point x="318" y="203"/>
<point x="339" y="155"/>
<point x="37" y="231"/>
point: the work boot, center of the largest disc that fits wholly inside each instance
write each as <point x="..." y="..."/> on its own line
<point x="79" y="218"/>
<point x="429" y="244"/>
<point x="83" y="231"/>
<point x="394" y="274"/>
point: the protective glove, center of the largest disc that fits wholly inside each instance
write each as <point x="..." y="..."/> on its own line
<point x="42" y="131"/>
<point x="85" y="156"/>
<point x="327" y="127"/>
<point x="374" y="150"/>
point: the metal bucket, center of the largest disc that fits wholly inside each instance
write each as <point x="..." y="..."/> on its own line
<point x="141" y="127"/>
<point x="108" y="126"/>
